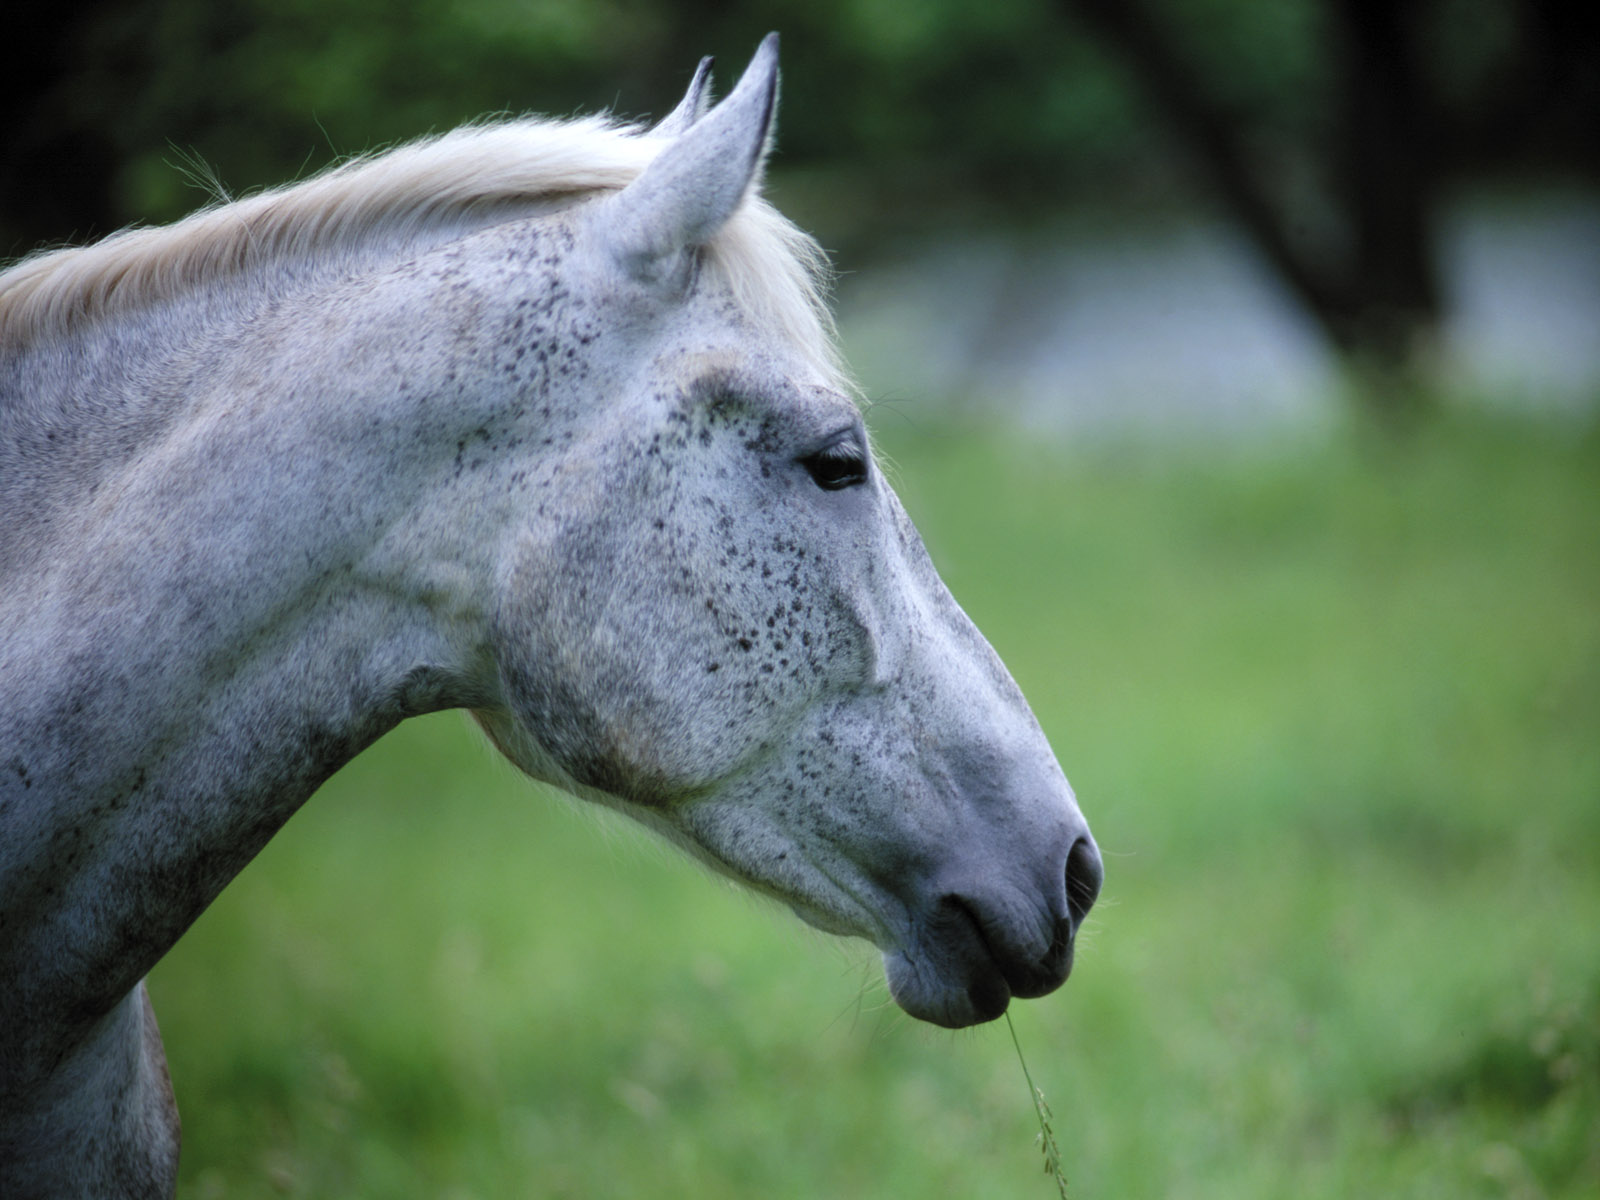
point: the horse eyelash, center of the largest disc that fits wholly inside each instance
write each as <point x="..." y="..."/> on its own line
<point x="837" y="466"/>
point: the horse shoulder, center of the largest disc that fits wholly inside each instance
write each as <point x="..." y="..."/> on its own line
<point x="104" y="1123"/>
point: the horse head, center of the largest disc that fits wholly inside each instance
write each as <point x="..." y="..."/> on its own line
<point x="712" y="612"/>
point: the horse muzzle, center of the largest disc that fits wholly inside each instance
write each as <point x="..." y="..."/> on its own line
<point x="976" y="942"/>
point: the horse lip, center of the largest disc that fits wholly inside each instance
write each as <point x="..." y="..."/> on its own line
<point x="953" y="972"/>
<point x="953" y="1004"/>
<point x="1025" y="979"/>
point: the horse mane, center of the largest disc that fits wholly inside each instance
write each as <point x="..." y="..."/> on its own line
<point x="457" y="179"/>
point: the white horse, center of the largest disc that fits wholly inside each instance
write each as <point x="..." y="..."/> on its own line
<point x="541" y="420"/>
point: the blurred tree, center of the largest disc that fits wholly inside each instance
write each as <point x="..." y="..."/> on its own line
<point x="1395" y="123"/>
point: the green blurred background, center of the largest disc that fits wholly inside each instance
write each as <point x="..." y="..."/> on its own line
<point x="1239" y="363"/>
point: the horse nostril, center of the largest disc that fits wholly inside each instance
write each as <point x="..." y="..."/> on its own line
<point x="1084" y="876"/>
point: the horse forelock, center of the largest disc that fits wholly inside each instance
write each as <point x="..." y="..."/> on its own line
<point x="781" y="274"/>
<point x="458" y="179"/>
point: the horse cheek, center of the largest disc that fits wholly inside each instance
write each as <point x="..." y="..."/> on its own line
<point x="579" y="639"/>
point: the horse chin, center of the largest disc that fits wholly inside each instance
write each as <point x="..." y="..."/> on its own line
<point x="951" y="999"/>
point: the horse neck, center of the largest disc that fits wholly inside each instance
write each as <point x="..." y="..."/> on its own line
<point x="272" y="576"/>
<point x="78" y="403"/>
<point x="77" y="408"/>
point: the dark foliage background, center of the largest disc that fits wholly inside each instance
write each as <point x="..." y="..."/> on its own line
<point x="1328" y="129"/>
<point x="1012" y="99"/>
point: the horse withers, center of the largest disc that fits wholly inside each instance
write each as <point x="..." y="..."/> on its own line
<point x="537" y="419"/>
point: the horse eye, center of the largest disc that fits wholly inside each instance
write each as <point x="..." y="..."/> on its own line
<point x="837" y="466"/>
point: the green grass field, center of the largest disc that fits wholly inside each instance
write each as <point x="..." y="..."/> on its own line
<point x="1334" y="715"/>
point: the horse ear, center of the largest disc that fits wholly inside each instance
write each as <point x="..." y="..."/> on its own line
<point x="693" y="105"/>
<point x="691" y="189"/>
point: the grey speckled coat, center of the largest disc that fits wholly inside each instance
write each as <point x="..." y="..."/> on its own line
<point x="568" y="452"/>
